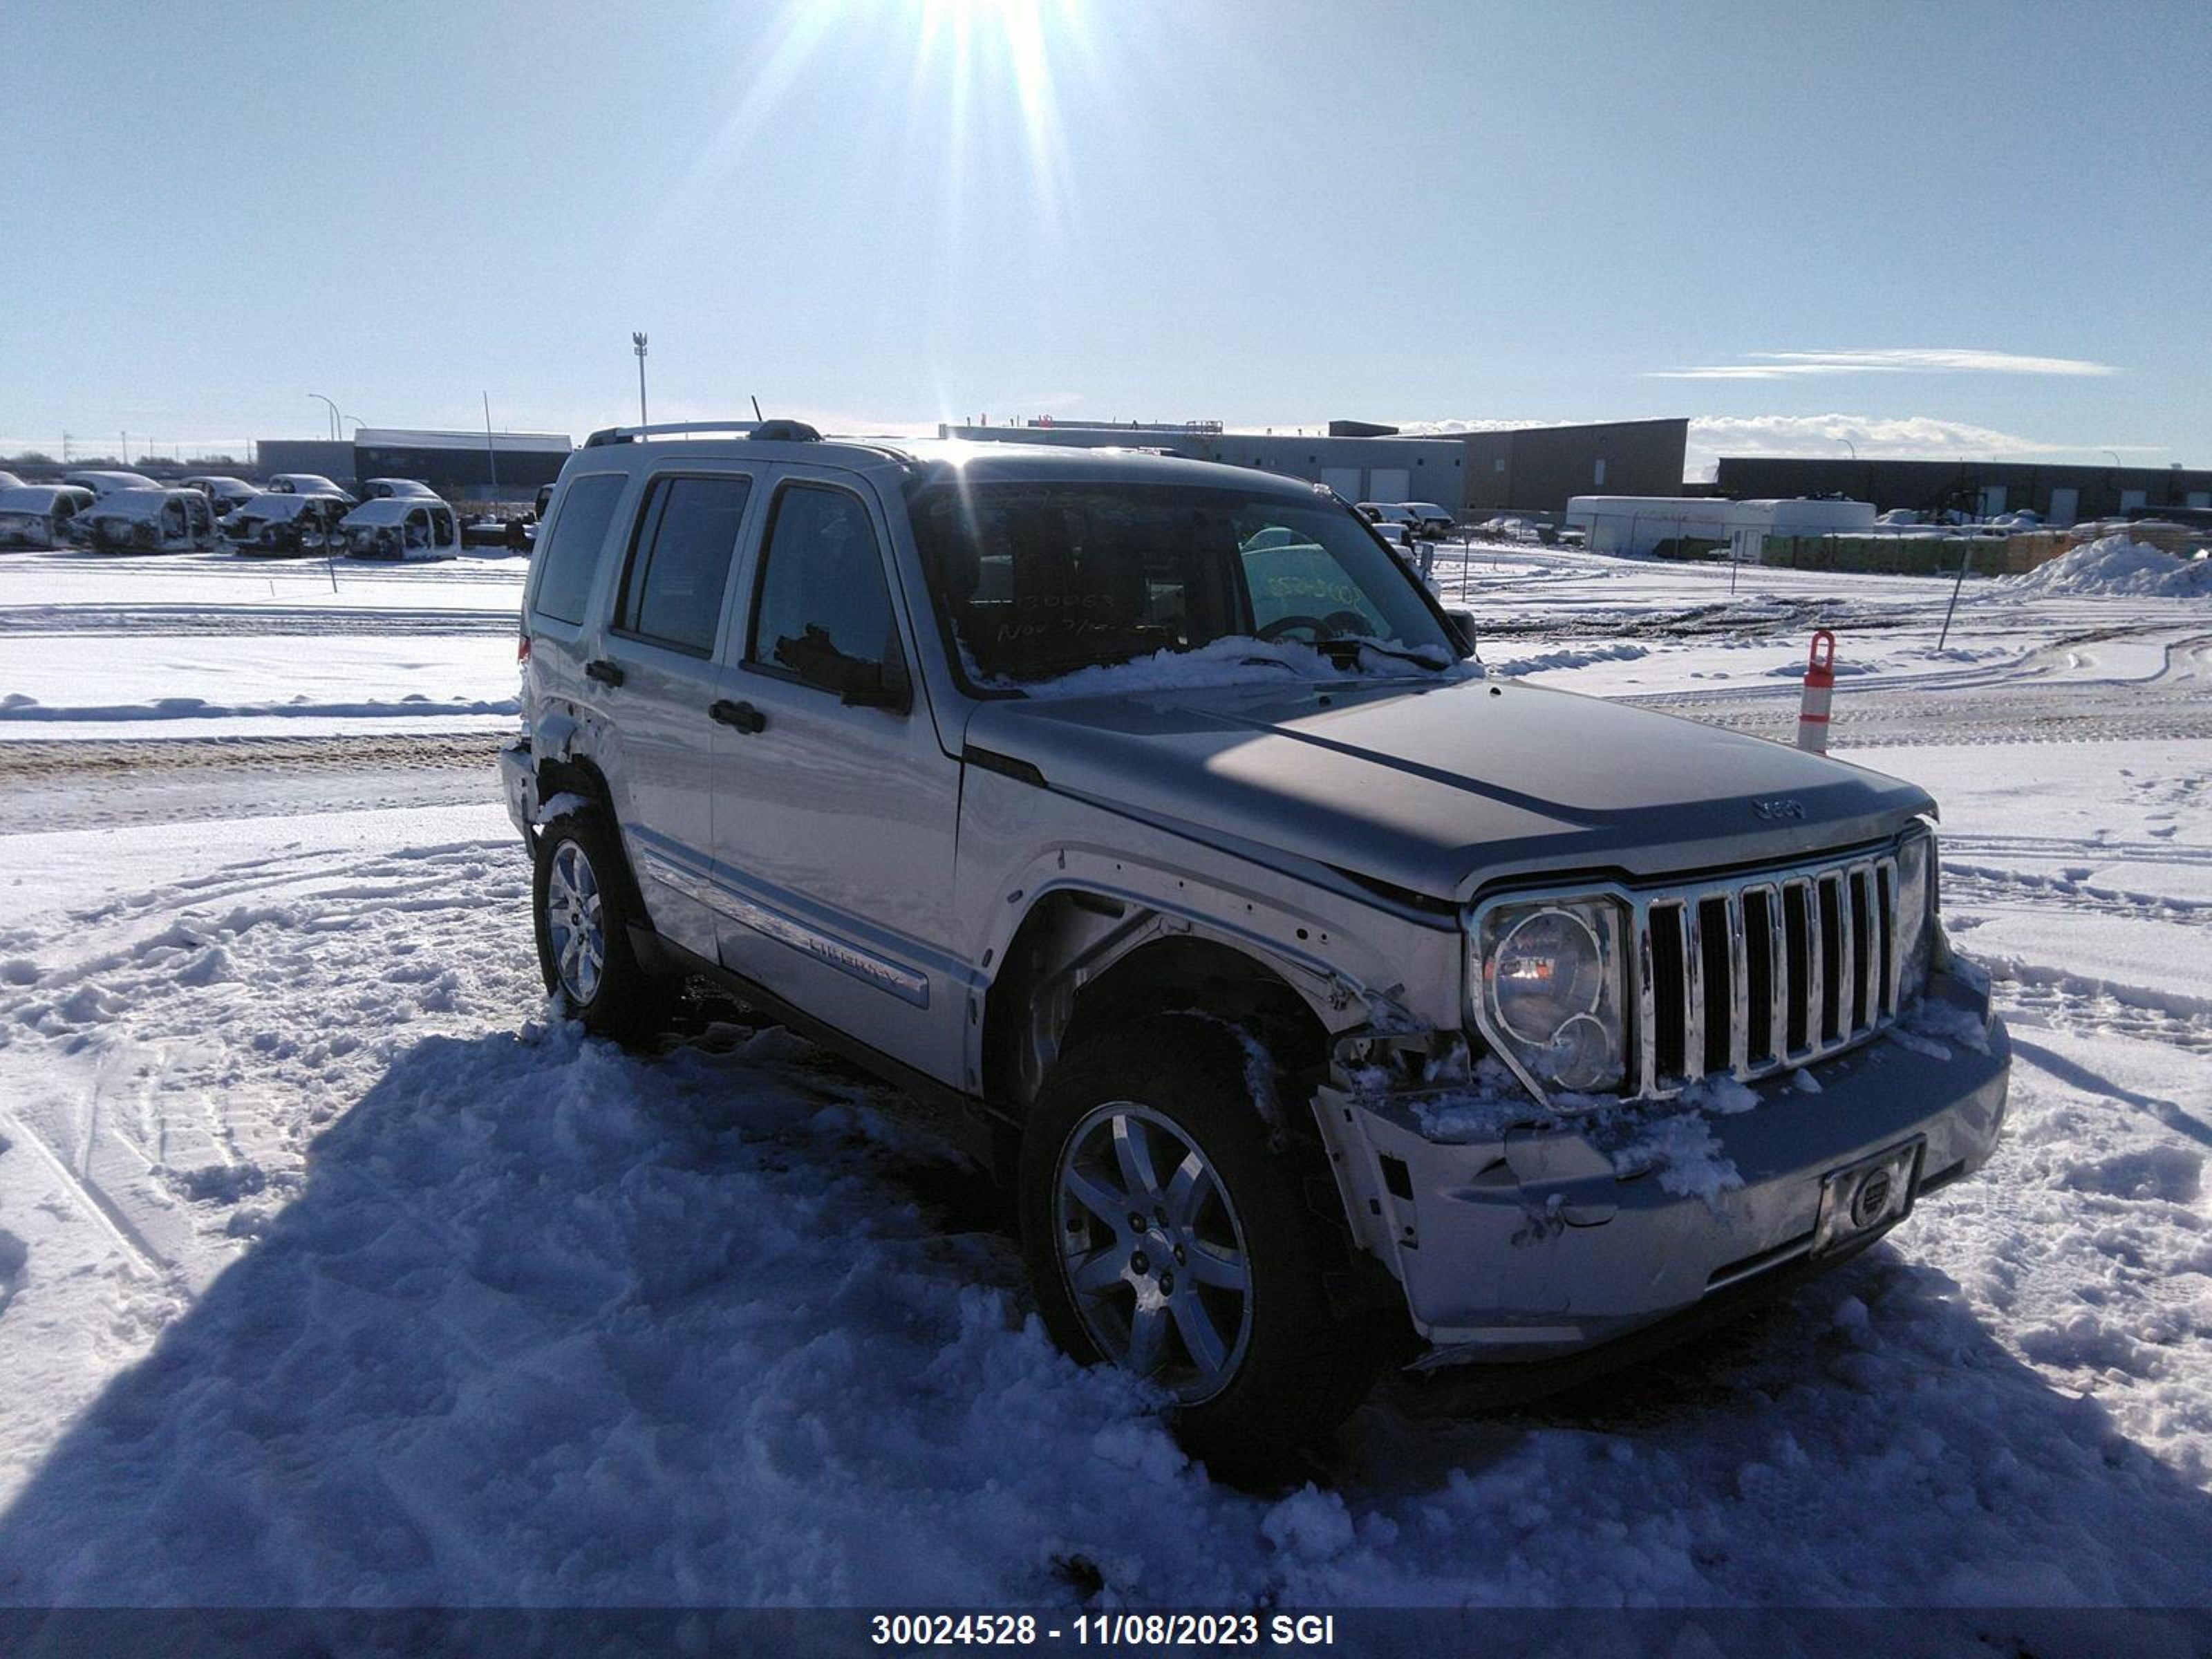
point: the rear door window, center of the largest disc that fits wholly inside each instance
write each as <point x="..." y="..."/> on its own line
<point x="570" y="556"/>
<point x="680" y="559"/>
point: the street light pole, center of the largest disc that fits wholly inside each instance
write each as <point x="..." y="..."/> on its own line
<point x="637" y="342"/>
<point x="319" y="397"/>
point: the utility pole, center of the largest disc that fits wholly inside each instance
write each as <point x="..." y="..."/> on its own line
<point x="637" y="344"/>
<point x="491" y="454"/>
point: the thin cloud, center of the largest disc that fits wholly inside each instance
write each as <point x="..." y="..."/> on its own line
<point x="1908" y="438"/>
<point x="1893" y="360"/>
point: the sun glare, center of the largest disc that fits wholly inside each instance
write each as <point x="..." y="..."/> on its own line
<point x="966" y="60"/>
<point x="1012" y="42"/>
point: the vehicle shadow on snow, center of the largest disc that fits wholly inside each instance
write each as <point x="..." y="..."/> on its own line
<point x="1884" y="1447"/>
<point x="549" y="1323"/>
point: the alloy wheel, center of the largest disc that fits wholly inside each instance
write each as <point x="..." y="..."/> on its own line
<point x="1152" y="1250"/>
<point x="573" y="918"/>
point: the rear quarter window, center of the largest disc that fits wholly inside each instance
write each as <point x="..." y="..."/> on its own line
<point x="568" y="559"/>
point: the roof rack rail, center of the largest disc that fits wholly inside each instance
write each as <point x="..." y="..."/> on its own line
<point x="789" y="432"/>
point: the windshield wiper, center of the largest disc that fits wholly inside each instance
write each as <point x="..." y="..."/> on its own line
<point x="1343" y="649"/>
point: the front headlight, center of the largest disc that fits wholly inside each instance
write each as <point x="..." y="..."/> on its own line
<point x="1552" y="978"/>
<point x="1916" y="914"/>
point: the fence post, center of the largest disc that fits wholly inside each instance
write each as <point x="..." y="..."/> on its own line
<point x="1966" y="561"/>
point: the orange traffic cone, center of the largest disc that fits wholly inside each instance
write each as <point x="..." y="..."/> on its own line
<point x="1819" y="688"/>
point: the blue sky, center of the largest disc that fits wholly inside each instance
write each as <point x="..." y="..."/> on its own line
<point x="1938" y="230"/>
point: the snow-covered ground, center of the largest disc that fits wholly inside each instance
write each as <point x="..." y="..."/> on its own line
<point x="333" y="1271"/>
<point x="204" y="644"/>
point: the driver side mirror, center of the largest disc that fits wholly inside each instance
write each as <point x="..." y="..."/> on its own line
<point x="1463" y="621"/>
<point x="877" y="685"/>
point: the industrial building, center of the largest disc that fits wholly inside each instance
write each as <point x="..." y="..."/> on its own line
<point x="495" y="466"/>
<point x="1539" y="469"/>
<point x="1531" y="469"/>
<point x="326" y="458"/>
<point x="2061" y="495"/>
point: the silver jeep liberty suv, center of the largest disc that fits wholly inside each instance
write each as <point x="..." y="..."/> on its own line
<point x="1328" y="1003"/>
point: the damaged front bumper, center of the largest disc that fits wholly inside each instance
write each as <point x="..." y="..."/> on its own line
<point x="1518" y="1236"/>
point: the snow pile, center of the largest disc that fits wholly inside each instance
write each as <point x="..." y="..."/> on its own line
<point x="2116" y="567"/>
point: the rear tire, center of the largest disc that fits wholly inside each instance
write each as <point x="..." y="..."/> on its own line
<point x="581" y="898"/>
<point x="1147" y="1176"/>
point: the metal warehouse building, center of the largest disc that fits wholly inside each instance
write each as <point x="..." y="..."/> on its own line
<point x="325" y="457"/>
<point x="1526" y="469"/>
<point x="506" y="464"/>
<point x="1541" y="468"/>
<point x="503" y="465"/>
<point x="2062" y="494"/>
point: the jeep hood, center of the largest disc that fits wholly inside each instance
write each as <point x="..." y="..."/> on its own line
<point x="1438" y="789"/>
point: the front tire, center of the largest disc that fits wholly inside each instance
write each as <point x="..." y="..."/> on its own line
<point x="1163" y="1235"/>
<point x="580" y="899"/>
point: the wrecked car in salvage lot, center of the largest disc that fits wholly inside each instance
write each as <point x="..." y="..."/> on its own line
<point x="377" y="490"/>
<point x="225" y="495"/>
<point x="278" y="525"/>
<point x="145" y="521"/>
<point x="306" y="484"/>
<point x="1327" y="1003"/>
<point x="38" y="515"/>
<point x="102" y="482"/>
<point x="400" y="527"/>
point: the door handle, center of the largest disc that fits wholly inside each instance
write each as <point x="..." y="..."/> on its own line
<point x="605" y="673"/>
<point x="742" y="715"/>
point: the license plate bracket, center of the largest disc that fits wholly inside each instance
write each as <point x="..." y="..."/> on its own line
<point x="1864" y="1200"/>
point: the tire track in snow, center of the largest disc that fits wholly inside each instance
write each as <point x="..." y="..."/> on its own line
<point x="1987" y="884"/>
<point x="2051" y="996"/>
<point x="106" y="1213"/>
<point x="2007" y="706"/>
<point x="113" y="783"/>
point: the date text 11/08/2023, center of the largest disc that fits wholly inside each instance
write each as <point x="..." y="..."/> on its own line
<point x="1146" y="1630"/>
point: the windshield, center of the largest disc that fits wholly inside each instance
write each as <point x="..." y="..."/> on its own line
<point x="1033" y="581"/>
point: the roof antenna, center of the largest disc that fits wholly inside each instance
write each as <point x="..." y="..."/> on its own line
<point x="757" y="414"/>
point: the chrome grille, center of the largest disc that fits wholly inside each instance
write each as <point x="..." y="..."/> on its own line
<point x="1755" y="975"/>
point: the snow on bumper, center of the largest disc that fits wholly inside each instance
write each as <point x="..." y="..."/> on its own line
<point x="1541" y="1239"/>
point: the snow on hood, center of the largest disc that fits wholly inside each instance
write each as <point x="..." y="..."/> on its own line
<point x="384" y="509"/>
<point x="107" y="484"/>
<point x="273" y="507"/>
<point x="136" y="503"/>
<point x="2114" y="566"/>
<point x="1239" y="660"/>
<point x="39" y="498"/>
